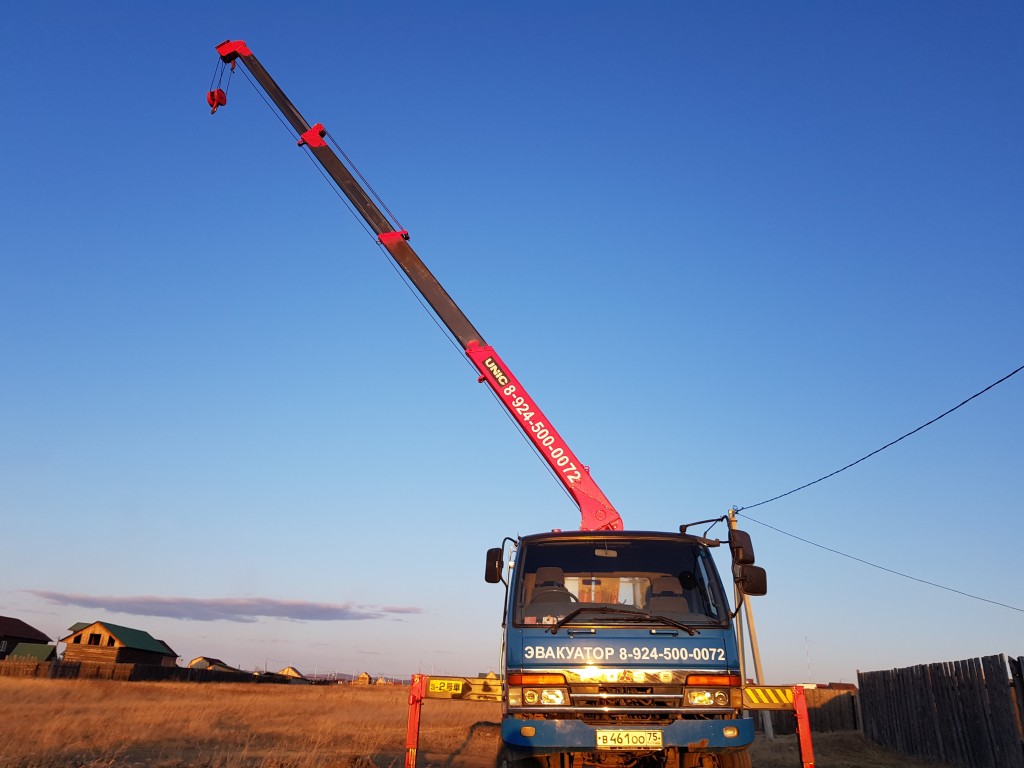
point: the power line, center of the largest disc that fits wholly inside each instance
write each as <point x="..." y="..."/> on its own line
<point x="887" y="445"/>
<point x="882" y="567"/>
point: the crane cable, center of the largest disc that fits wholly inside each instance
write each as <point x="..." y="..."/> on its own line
<point x="355" y="214"/>
<point x="404" y="278"/>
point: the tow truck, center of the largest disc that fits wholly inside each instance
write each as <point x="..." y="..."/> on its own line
<point x="619" y="647"/>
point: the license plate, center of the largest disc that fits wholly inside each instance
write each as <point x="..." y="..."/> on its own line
<point x="631" y="739"/>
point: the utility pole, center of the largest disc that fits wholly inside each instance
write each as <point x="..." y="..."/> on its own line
<point x="755" y="651"/>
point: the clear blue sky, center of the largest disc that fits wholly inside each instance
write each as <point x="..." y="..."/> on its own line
<point x="728" y="250"/>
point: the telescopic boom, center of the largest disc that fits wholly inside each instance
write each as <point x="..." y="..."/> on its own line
<point x="597" y="513"/>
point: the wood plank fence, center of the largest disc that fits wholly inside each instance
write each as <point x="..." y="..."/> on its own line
<point x="963" y="713"/>
<point x="91" y="670"/>
<point x="828" y="709"/>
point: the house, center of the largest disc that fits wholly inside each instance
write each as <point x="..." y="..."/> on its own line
<point x="294" y="676"/>
<point x="363" y="678"/>
<point x="14" y="631"/>
<point x="214" y="665"/>
<point x="108" y="643"/>
<point x="39" y="652"/>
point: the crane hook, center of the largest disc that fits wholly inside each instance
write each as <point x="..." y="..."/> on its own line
<point x="216" y="98"/>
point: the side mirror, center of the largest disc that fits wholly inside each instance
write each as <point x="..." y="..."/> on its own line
<point x="751" y="580"/>
<point x="741" y="547"/>
<point x="492" y="571"/>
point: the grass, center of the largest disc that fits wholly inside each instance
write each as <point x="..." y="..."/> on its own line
<point x="111" y="724"/>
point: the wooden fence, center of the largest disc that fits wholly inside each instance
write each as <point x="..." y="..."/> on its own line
<point x="91" y="670"/>
<point x="828" y="709"/>
<point x="963" y="713"/>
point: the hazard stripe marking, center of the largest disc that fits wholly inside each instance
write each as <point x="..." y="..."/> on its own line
<point x="768" y="698"/>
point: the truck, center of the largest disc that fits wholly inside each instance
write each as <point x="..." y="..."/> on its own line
<point x="619" y="647"/>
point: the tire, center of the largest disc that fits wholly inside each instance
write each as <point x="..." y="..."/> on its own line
<point x="509" y="757"/>
<point x="717" y="760"/>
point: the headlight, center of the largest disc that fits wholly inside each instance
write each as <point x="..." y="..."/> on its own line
<point x="699" y="698"/>
<point x="528" y="689"/>
<point x="532" y="697"/>
<point x="554" y="697"/>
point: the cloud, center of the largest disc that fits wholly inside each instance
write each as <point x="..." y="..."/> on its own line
<point x="244" y="609"/>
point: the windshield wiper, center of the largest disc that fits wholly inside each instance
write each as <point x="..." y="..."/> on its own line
<point x="632" y="612"/>
<point x="691" y="631"/>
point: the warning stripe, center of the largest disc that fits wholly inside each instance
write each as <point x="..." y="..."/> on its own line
<point x="758" y="697"/>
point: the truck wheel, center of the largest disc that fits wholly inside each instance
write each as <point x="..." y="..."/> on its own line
<point x="713" y="760"/>
<point x="516" y="758"/>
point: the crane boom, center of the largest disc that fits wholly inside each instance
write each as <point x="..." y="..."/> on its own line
<point x="596" y="511"/>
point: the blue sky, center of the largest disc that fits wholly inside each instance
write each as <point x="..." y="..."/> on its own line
<point x="727" y="249"/>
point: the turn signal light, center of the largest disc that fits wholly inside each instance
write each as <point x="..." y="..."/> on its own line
<point x="539" y="679"/>
<point x="729" y="681"/>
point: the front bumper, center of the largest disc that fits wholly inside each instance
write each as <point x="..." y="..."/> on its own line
<point x="577" y="736"/>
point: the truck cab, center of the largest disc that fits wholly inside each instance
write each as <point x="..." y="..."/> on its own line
<point x="620" y="649"/>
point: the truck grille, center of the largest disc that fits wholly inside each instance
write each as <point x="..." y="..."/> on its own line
<point x="630" y="703"/>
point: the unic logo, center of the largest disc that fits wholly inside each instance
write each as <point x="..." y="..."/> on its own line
<point x="496" y="372"/>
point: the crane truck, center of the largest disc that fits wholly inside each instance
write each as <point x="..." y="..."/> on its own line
<point x="619" y="647"/>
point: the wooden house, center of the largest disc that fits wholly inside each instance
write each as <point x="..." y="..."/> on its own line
<point x="14" y="631"/>
<point x="363" y="678"/>
<point x="215" y="665"/>
<point x="108" y="643"/>
<point x="293" y="675"/>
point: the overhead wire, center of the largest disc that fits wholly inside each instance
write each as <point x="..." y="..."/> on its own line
<point x="887" y="445"/>
<point x="739" y="510"/>
<point x="882" y="567"/>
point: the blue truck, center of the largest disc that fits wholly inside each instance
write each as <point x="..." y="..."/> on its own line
<point x="620" y="649"/>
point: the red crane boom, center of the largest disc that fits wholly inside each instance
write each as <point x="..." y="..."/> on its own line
<point x="597" y="513"/>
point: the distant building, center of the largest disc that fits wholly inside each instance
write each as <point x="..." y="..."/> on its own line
<point x="293" y="675"/>
<point x="108" y="643"/>
<point x="14" y="631"/>
<point x="363" y="678"/>
<point x="212" y="664"/>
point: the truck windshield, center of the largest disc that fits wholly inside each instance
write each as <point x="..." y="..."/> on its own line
<point x="676" y="579"/>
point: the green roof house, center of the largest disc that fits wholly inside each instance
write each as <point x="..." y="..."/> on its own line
<point x="108" y="643"/>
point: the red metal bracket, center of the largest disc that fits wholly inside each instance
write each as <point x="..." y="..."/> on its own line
<point x="230" y="50"/>
<point x="314" y="137"/>
<point x="387" y="238"/>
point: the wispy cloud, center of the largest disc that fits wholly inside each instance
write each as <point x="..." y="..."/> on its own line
<point x="244" y="609"/>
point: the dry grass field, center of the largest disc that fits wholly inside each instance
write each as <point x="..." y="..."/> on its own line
<point x="107" y="724"/>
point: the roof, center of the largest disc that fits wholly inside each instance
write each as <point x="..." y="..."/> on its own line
<point x="33" y="651"/>
<point x="215" y="665"/>
<point x="12" y="627"/>
<point x="202" y="662"/>
<point x="137" y="639"/>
